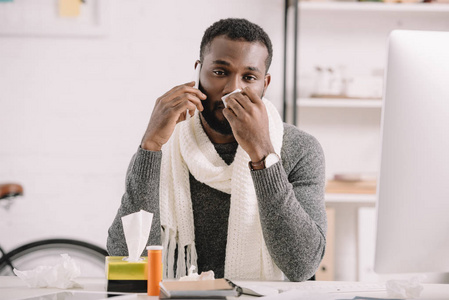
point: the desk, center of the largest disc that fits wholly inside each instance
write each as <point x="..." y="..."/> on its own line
<point x="12" y="288"/>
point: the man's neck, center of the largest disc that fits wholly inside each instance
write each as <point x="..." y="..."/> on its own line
<point x="216" y="137"/>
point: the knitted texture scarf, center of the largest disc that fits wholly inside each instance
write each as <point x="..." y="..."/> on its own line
<point x="190" y="150"/>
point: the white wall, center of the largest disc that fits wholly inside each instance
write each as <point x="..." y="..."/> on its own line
<point x="73" y="109"/>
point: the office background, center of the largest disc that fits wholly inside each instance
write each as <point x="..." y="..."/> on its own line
<point x="73" y="108"/>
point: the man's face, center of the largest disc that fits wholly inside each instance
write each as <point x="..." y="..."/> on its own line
<point x="230" y="65"/>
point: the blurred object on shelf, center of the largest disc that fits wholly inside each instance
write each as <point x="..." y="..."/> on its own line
<point x="370" y="87"/>
<point x="306" y="83"/>
<point x="331" y="82"/>
<point x="365" y="87"/>
<point x="337" y="84"/>
<point x="352" y="183"/>
<point x="322" y="80"/>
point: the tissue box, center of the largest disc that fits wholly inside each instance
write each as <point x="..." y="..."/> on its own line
<point x="124" y="276"/>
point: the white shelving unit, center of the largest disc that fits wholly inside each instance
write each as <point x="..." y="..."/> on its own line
<point x="352" y="34"/>
<point x="325" y="30"/>
<point x="374" y="7"/>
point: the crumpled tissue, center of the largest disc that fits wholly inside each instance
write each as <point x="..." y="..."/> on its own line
<point x="404" y="289"/>
<point x="60" y="276"/>
<point x="136" y="227"/>
<point x="209" y="275"/>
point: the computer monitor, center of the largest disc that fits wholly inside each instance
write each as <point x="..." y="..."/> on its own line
<point x="413" y="189"/>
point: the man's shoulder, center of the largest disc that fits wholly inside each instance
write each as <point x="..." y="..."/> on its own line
<point x="293" y="136"/>
<point x="299" y="145"/>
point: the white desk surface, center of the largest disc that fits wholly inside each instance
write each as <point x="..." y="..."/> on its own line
<point x="12" y="288"/>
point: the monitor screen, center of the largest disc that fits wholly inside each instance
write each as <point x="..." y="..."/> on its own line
<point x="413" y="190"/>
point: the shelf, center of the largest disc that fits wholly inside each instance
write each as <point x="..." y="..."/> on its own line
<point x="373" y="6"/>
<point x="350" y="198"/>
<point x="347" y="103"/>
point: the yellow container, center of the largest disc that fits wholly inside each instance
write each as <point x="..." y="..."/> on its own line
<point x="119" y="269"/>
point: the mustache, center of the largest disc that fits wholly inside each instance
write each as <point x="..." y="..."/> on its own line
<point x="216" y="104"/>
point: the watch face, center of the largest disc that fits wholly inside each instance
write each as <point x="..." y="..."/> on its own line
<point x="271" y="159"/>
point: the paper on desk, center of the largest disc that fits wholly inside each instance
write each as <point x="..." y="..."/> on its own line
<point x="60" y="276"/>
<point x="296" y="294"/>
<point x="136" y="227"/>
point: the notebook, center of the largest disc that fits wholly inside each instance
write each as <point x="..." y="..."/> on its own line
<point x="203" y="289"/>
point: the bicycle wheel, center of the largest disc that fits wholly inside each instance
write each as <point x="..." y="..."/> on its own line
<point x="91" y="258"/>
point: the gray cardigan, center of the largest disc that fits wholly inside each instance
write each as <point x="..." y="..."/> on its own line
<point x="291" y="207"/>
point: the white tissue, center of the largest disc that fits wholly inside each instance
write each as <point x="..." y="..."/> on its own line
<point x="209" y="275"/>
<point x="136" y="228"/>
<point x="59" y="276"/>
<point x="227" y="95"/>
<point x="405" y="289"/>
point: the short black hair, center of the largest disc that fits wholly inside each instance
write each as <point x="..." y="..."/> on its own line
<point x="236" y="29"/>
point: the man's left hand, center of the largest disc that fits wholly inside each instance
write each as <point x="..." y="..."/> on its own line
<point x="247" y="115"/>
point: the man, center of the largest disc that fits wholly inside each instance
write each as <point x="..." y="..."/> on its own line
<point x="233" y="189"/>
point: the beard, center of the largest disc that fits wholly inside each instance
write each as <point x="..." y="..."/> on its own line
<point x="209" y="115"/>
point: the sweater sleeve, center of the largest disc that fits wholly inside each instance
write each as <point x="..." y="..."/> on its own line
<point x="291" y="205"/>
<point x="141" y="192"/>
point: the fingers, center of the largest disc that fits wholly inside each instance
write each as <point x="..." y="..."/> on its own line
<point x="179" y="94"/>
<point x="185" y="88"/>
<point x="237" y="103"/>
<point x="229" y="115"/>
<point x="255" y="98"/>
<point x="186" y="102"/>
<point x="244" y="102"/>
<point x="189" y="88"/>
<point x="190" y="84"/>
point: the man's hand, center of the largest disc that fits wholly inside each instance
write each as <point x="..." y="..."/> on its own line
<point x="248" y="117"/>
<point x="170" y="109"/>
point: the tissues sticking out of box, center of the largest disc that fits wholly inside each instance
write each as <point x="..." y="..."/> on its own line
<point x="129" y="274"/>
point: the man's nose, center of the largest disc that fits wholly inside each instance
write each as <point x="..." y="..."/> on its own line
<point x="234" y="82"/>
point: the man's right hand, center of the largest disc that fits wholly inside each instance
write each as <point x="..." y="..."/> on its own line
<point x="170" y="109"/>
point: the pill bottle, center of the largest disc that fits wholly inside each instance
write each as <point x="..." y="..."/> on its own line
<point x="154" y="269"/>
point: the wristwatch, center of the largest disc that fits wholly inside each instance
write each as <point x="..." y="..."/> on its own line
<point x="267" y="162"/>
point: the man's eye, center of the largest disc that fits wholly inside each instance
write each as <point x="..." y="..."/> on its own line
<point x="250" y="77"/>
<point x="219" y="72"/>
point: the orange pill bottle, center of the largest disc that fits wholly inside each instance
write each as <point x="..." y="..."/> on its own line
<point x="154" y="269"/>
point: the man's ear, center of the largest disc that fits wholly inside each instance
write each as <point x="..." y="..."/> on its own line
<point x="196" y="63"/>
<point x="266" y="83"/>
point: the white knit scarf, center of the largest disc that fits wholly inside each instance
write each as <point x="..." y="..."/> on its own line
<point x="190" y="150"/>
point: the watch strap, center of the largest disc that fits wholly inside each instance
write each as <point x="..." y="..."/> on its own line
<point x="266" y="162"/>
<point x="260" y="165"/>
